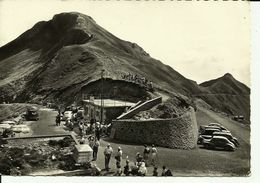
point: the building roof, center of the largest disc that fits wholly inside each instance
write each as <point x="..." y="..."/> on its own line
<point x="111" y="103"/>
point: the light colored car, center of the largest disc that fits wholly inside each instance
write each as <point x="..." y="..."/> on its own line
<point x="207" y="133"/>
<point x="67" y="115"/>
<point x="219" y="142"/>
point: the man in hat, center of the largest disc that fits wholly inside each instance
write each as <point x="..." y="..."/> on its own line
<point x="108" y="152"/>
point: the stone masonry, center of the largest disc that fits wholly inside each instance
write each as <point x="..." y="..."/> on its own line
<point x="179" y="133"/>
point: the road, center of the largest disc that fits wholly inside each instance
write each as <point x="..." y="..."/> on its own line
<point x="46" y="124"/>
<point x="195" y="162"/>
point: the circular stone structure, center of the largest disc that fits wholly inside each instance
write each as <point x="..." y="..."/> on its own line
<point x="179" y="133"/>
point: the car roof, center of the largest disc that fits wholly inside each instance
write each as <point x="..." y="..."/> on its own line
<point x="222" y="133"/>
<point x="214" y="124"/>
<point x="219" y="137"/>
<point x="211" y="128"/>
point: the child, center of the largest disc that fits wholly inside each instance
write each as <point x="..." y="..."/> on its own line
<point x="164" y="171"/>
<point x="127" y="170"/>
<point x="155" y="171"/>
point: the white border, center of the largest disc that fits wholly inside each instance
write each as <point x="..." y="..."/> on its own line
<point x="255" y="121"/>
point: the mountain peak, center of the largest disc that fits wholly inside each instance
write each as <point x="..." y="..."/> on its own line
<point x="72" y="17"/>
<point x="228" y="75"/>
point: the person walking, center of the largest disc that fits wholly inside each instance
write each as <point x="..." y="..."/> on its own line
<point x="108" y="152"/>
<point x="97" y="130"/>
<point x="154" y="155"/>
<point x="146" y="154"/>
<point x="57" y="120"/>
<point x="119" y="155"/>
<point x="95" y="149"/>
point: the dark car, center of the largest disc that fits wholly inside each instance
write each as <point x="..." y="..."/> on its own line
<point x="219" y="142"/>
<point x="207" y="133"/>
<point x="228" y="136"/>
<point x="32" y="114"/>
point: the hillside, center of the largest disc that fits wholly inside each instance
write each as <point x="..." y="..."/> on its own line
<point x="227" y="95"/>
<point x="61" y="59"/>
<point x="70" y="51"/>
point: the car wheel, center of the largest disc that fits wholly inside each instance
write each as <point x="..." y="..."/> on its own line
<point x="229" y="148"/>
<point x="206" y="146"/>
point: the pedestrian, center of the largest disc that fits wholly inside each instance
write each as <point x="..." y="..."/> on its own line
<point x="91" y="140"/>
<point x="168" y="173"/>
<point x="108" y="152"/>
<point x="127" y="169"/>
<point x="80" y="129"/>
<point x="146" y="154"/>
<point x="155" y="171"/>
<point x="97" y="131"/>
<point x="95" y="149"/>
<point x="154" y="155"/>
<point x="142" y="169"/>
<point x="118" y="170"/>
<point x="119" y="155"/>
<point x="164" y="171"/>
<point x="57" y="120"/>
<point x="82" y="140"/>
<point x="139" y="159"/>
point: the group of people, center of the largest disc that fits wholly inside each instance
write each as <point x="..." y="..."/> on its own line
<point x="139" y="80"/>
<point x="139" y="168"/>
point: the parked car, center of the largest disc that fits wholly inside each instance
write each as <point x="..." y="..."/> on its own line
<point x="219" y="142"/>
<point x="228" y="136"/>
<point x="32" y="114"/>
<point x="220" y="126"/>
<point x="206" y="134"/>
<point x="67" y="115"/>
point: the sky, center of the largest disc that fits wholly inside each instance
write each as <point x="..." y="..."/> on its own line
<point x="200" y="40"/>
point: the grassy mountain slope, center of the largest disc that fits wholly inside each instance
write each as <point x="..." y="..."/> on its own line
<point x="228" y="95"/>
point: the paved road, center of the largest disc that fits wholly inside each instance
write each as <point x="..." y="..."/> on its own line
<point x="46" y="123"/>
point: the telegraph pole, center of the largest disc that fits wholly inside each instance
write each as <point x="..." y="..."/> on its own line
<point x="102" y="102"/>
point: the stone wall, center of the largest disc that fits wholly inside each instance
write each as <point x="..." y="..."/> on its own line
<point x="180" y="133"/>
